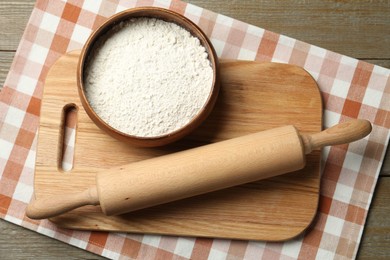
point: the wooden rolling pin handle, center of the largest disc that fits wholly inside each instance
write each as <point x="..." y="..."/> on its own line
<point x="343" y="133"/>
<point x="56" y="205"/>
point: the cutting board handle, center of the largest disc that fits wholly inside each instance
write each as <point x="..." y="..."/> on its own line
<point x="342" y="133"/>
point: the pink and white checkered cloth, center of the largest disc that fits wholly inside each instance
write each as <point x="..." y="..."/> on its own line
<point x="350" y="89"/>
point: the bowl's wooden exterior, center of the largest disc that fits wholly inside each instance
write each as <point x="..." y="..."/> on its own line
<point x="165" y="15"/>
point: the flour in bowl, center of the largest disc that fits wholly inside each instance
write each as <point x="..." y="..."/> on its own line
<point x="148" y="77"/>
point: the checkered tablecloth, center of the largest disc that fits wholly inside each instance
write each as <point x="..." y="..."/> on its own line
<point x="350" y="89"/>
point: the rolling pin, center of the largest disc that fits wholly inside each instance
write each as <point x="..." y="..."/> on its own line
<point x="200" y="170"/>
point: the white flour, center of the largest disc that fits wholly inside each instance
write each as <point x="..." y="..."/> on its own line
<point x="148" y="78"/>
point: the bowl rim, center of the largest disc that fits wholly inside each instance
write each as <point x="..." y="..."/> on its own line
<point x="167" y="15"/>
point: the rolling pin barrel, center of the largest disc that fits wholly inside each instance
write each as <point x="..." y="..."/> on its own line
<point x="200" y="170"/>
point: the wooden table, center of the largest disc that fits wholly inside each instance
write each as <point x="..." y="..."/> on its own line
<point x="360" y="29"/>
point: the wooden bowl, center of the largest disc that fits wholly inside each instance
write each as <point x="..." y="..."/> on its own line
<point x="168" y="16"/>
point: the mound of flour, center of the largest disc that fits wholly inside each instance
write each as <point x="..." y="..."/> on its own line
<point x="147" y="77"/>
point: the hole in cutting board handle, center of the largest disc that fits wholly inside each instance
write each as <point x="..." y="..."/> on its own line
<point x="68" y="137"/>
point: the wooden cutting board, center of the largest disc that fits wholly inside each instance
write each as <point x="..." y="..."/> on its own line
<point x="254" y="97"/>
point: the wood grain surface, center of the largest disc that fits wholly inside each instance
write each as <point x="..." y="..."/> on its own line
<point x="359" y="29"/>
<point x="248" y="103"/>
